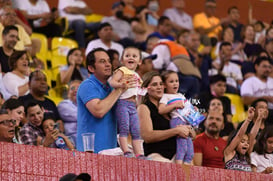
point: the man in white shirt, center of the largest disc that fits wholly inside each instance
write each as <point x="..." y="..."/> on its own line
<point x="105" y="33"/>
<point x="229" y="69"/>
<point x="260" y="85"/>
<point x="180" y="19"/>
<point x="75" y="11"/>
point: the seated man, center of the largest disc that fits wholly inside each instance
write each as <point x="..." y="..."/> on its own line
<point x="38" y="88"/>
<point x="7" y="127"/>
<point x="105" y="33"/>
<point x="209" y="146"/>
<point x="40" y="16"/>
<point x="68" y="110"/>
<point x="8" y="17"/>
<point x="75" y="11"/>
<point x="32" y="130"/>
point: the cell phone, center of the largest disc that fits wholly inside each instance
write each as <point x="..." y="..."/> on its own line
<point x="57" y="126"/>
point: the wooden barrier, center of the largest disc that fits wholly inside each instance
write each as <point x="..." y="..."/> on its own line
<point x="30" y="163"/>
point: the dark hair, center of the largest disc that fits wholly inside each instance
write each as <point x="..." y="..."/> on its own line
<point x="32" y="103"/>
<point x="260" y="23"/>
<point x="15" y="56"/>
<point x="12" y="103"/>
<point x="259" y="60"/>
<point x="254" y="103"/>
<point x="165" y="74"/>
<point x="162" y="19"/>
<point x="111" y="53"/>
<point x="261" y="146"/>
<point x="129" y="47"/>
<point x="102" y="25"/>
<point x="91" y="59"/>
<point x="7" y="29"/>
<point x="231" y="8"/>
<point x="217" y="78"/>
<point x="225" y="43"/>
<point x="3" y="111"/>
<point x="32" y="74"/>
<point x="230" y="138"/>
<point x="1" y="95"/>
<point x="70" y="53"/>
<point x="147" y="78"/>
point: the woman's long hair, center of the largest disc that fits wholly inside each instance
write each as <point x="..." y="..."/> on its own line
<point x="261" y="146"/>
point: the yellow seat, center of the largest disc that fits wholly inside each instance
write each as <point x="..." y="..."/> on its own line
<point x="237" y="108"/>
<point x="42" y="48"/>
<point x="93" y="18"/>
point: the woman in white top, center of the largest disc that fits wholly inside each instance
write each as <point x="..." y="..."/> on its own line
<point x="262" y="157"/>
<point x="16" y="81"/>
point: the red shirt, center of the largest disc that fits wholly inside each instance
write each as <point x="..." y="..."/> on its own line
<point x="212" y="150"/>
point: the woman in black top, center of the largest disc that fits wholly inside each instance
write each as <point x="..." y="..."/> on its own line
<point x="159" y="138"/>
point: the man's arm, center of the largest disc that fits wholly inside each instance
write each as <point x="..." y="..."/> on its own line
<point x="77" y="10"/>
<point x="197" y="159"/>
<point x="99" y="107"/>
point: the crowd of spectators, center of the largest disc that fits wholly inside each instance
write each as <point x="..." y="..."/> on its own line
<point x="117" y="80"/>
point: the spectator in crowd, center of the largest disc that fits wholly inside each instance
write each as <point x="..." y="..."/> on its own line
<point x="141" y="27"/>
<point x="61" y="141"/>
<point x="105" y="33"/>
<point x="260" y="105"/>
<point x="7" y="127"/>
<point x="10" y="38"/>
<point x="16" y="111"/>
<point x="164" y="28"/>
<point x="37" y="91"/>
<point x="269" y="32"/>
<point x="151" y="42"/>
<point x="159" y="138"/>
<point x="20" y="19"/>
<point x="68" y="110"/>
<point x="199" y="54"/>
<point x="114" y="57"/>
<point x="217" y="89"/>
<point x="122" y="31"/>
<point x="269" y="47"/>
<point x="129" y="10"/>
<point x="216" y="104"/>
<point x="153" y="7"/>
<point x="209" y="146"/>
<point x="207" y="24"/>
<point x="179" y="18"/>
<point x="229" y="69"/>
<point x="261" y="158"/>
<point x="235" y="25"/>
<point x="31" y="132"/>
<point x="74" y="70"/>
<point x="16" y="81"/>
<point x="8" y="17"/>
<point x="260" y="85"/>
<point x="173" y="56"/>
<point x="238" y="54"/>
<point x="95" y="108"/>
<point x="240" y="145"/>
<point x="40" y="16"/>
<point x="75" y="12"/>
<point x="250" y="47"/>
<point x="146" y="64"/>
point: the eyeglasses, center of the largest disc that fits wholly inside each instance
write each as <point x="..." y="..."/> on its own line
<point x="8" y="121"/>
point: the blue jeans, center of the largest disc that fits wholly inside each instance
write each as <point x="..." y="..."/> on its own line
<point x="79" y="26"/>
<point x="189" y="85"/>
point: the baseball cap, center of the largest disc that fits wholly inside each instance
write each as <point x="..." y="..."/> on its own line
<point x="73" y="177"/>
<point x="146" y="55"/>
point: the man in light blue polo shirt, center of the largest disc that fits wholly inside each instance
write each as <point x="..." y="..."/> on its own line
<point x="95" y="100"/>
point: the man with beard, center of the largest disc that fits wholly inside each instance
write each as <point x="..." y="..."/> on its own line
<point x="209" y="146"/>
<point x="10" y="38"/>
<point x="38" y="88"/>
<point x="260" y="85"/>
